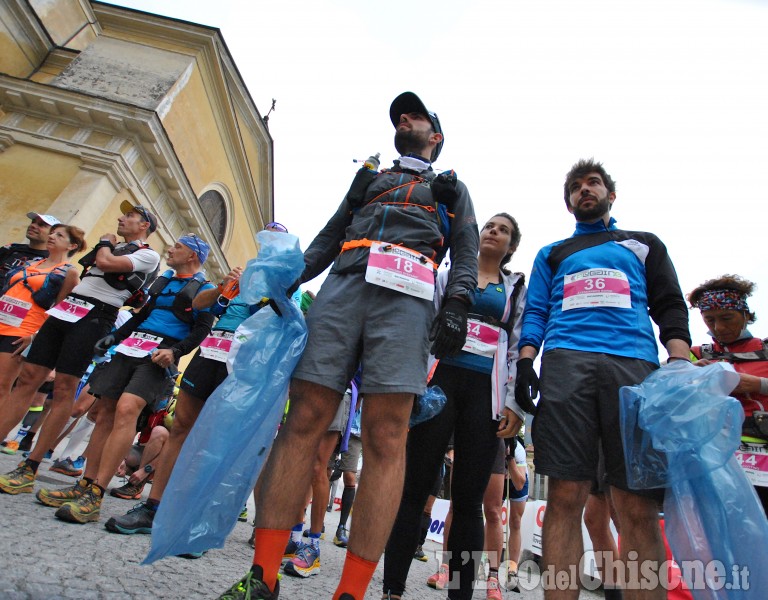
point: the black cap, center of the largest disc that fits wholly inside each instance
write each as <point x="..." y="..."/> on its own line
<point x="408" y="102"/>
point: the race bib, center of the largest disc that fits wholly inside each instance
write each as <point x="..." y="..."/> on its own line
<point x="754" y="462"/>
<point x="217" y="345"/>
<point x="139" y="344"/>
<point x="482" y="338"/>
<point x="596" y="288"/>
<point x="13" y="311"/>
<point x="70" y="309"/>
<point x="400" y="269"/>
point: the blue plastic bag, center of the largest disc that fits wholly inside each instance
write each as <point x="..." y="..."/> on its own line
<point x="229" y="443"/>
<point x="428" y="405"/>
<point x="681" y="430"/>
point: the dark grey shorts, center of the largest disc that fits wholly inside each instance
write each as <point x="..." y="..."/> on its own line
<point x="351" y="458"/>
<point x="131" y="375"/>
<point x="353" y="321"/>
<point x="579" y="410"/>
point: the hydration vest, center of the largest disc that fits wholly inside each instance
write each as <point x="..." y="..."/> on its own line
<point x="133" y="281"/>
<point x="182" y="302"/>
<point x="46" y="296"/>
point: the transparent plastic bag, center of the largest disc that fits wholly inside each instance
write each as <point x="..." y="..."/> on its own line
<point x="229" y="443"/>
<point x="681" y="430"/>
<point x="428" y="405"/>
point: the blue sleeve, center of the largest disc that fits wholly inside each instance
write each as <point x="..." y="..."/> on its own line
<point x="537" y="301"/>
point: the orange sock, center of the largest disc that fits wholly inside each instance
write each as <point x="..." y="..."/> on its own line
<point x="355" y="577"/>
<point x="269" y="545"/>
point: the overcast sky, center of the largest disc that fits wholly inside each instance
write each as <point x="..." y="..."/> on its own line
<point x="671" y="95"/>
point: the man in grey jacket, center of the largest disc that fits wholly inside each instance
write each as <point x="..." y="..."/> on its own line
<point x="385" y="241"/>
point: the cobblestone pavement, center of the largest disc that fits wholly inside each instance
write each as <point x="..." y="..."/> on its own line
<point x="45" y="558"/>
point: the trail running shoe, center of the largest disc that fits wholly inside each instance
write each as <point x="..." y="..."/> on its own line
<point x="59" y="497"/>
<point x="65" y="466"/>
<point x="19" y="481"/>
<point x="11" y="447"/>
<point x="290" y="549"/>
<point x="440" y="579"/>
<point x="493" y="589"/>
<point x="86" y="508"/>
<point x="306" y="562"/>
<point x="79" y="462"/>
<point x="243" y="517"/>
<point x="137" y="520"/>
<point x="305" y="533"/>
<point x="419" y="554"/>
<point x="129" y="491"/>
<point x="251" y="587"/>
<point x="342" y="537"/>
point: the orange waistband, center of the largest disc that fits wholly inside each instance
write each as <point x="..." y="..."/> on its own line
<point x="366" y="243"/>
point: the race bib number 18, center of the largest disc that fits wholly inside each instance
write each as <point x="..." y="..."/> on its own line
<point x="400" y="269"/>
<point x="593" y="288"/>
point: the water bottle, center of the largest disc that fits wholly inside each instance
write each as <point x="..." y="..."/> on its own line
<point x="365" y="175"/>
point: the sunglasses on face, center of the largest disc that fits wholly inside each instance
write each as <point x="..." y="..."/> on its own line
<point x="275" y="226"/>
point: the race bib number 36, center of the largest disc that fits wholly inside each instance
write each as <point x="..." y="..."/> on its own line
<point x="70" y="309"/>
<point x="592" y="288"/>
<point x="400" y="269"/>
<point x="13" y="310"/>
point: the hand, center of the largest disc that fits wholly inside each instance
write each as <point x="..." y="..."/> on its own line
<point x="109" y="237"/>
<point x="163" y="358"/>
<point x="444" y="189"/>
<point x="526" y="385"/>
<point x="22" y="344"/>
<point x="509" y="425"/>
<point x="449" y="329"/>
<point x="233" y="275"/>
<point x="104" y="344"/>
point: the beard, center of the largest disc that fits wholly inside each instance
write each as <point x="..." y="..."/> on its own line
<point x="597" y="211"/>
<point x="410" y="141"/>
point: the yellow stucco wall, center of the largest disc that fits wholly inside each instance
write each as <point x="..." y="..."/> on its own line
<point x="192" y="128"/>
<point x="30" y="180"/>
<point x="66" y="22"/>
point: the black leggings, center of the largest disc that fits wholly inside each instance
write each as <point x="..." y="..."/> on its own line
<point x="467" y="415"/>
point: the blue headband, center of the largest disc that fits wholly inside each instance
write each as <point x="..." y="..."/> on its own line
<point x="197" y="245"/>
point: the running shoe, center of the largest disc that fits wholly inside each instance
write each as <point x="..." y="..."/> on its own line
<point x="493" y="589"/>
<point x="129" y="491"/>
<point x="251" y="587"/>
<point x="86" y="508"/>
<point x="342" y="537"/>
<point x="57" y="498"/>
<point x="79" y="462"/>
<point x="137" y="520"/>
<point x="440" y="579"/>
<point x="419" y="554"/>
<point x="306" y="562"/>
<point x="243" y="517"/>
<point x="10" y="447"/>
<point x="322" y="533"/>
<point x="291" y="549"/>
<point x="47" y="456"/>
<point x="65" y="466"/>
<point x="19" y="481"/>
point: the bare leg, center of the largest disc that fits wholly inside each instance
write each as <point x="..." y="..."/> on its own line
<point x="640" y="537"/>
<point x="16" y="405"/>
<point x="105" y="417"/>
<point x="515" y="542"/>
<point x="128" y="409"/>
<point x="561" y="534"/>
<point x="321" y="486"/>
<point x="64" y="387"/>
<point x="157" y="443"/>
<point x="597" y="518"/>
<point x="385" y="428"/>
<point x="312" y="410"/>
<point x="494" y="535"/>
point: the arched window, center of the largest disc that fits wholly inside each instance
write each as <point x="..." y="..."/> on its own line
<point x="215" y="211"/>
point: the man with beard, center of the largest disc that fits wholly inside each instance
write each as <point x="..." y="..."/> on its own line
<point x="385" y="241"/>
<point x="13" y="255"/>
<point x="589" y="301"/>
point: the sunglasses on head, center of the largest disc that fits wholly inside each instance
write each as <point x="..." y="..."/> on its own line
<point x="274" y="225"/>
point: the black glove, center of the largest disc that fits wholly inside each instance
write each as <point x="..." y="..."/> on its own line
<point x="444" y="189"/>
<point x="449" y="329"/>
<point x="104" y="344"/>
<point x="294" y="286"/>
<point x="526" y="385"/>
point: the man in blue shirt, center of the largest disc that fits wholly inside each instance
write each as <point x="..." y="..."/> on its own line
<point x="140" y="374"/>
<point x="589" y="302"/>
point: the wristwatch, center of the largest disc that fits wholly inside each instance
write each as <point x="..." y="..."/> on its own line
<point x="148" y="469"/>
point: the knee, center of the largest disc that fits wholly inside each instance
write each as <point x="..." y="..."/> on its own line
<point x="492" y="514"/>
<point x="126" y="415"/>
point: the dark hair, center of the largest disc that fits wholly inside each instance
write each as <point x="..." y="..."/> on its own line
<point x="582" y="168"/>
<point x="514" y="238"/>
<point x="736" y="283"/>
<point x="76" y="236"/>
